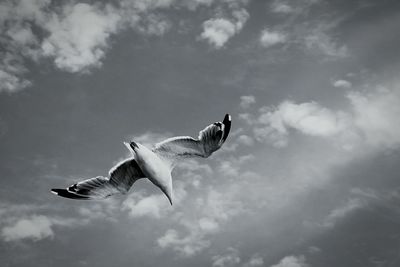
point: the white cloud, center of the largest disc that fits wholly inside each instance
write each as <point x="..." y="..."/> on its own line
<point x="247" y="100"/>
<point x="186" y="246"/>
<point x="75" y="35"/>
<point x="279" y="6"/>
<point x="154" y="25"/>
<point x="193" y="4"/>
<point x="270" y="38"/>
<point x="78" y="37"/>
<point x="214" y="210"/>
<point x="218" y="31"/>
<point x="292" y="261"/>
<point x="23" y="10"/>
<point x="230" y="258"/>
<point x="147" y="5"/>
<point x="36" y="227"/>
<point x="369" y="122"/>
<point x="188" y="173"/>
<point x="18" y="41"/>
<point x="308" y="118"/>
<point x="154" y="206"/>
<point x="341" y="212"/>
<point x="255" y="260"/>
<point x="28" y="221"/>
<point x="376" y="114"/>
<point x="22" y="35"/>
<point x="208" y="224"/>
<point x="342" y="84"/>
<point x="11" y="83"/>
<point x="245" y="140"/>
<point x="231" y="167"/>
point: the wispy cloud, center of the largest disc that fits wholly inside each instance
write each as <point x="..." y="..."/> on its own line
<point x="319" y="42"/>
<point x="302" y="28"/>
<point x="341" y="212"/>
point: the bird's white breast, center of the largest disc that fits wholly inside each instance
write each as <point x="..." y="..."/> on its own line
<point x="156" y="169"/>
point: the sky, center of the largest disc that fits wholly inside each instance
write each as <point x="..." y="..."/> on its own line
<point x="308" y="176"/>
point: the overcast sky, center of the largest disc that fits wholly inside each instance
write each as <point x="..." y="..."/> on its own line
<point x="308" y="177"/>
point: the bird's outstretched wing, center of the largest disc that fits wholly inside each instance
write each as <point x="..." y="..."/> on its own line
<point x="121" y="178"/>
<point x="210" y="140"/>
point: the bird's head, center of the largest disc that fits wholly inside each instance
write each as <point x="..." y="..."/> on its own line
<point x="132" y="146"/>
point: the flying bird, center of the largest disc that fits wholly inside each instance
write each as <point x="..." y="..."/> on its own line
<point x="155" y="164"/>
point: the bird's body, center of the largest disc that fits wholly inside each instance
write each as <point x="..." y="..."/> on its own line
<point x="155" y="164"/>
<point x="156" y="169"/>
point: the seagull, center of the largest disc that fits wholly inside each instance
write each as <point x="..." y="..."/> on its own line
<point x="155" y="164"/>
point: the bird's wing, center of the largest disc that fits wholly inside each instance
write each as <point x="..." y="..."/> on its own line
<point x="210" y="140"/>
<point x="121" y="178"/>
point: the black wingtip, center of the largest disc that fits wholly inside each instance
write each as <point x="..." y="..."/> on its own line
<point x="65" y="193"/>
<point x="227" y="122"/>
<point x="227" y="118"/>
<point x="133" y="145"/>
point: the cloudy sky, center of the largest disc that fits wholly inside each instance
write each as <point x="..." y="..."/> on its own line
<point x="307" y="178"/>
